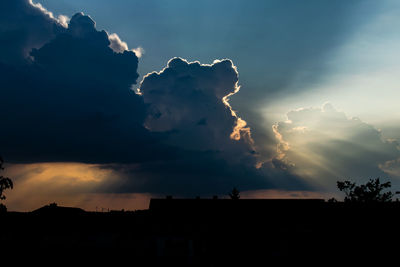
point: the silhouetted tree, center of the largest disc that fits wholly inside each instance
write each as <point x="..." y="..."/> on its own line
<point x="372" y="191"/>
<point x="235" y="193"/>
<point x="5" y="183"/>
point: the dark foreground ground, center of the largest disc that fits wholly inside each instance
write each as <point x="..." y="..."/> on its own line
<point x="206" y="232"/>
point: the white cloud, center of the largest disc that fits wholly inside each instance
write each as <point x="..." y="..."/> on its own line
<point x="139" y="51"/>
<point x="63" y="20"/>
<point x="116" y="44"/>
<point x="119" y="46"/>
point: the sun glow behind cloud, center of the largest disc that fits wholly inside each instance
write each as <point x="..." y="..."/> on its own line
<point x="323" y="145"/>
<point x="361" y="81"/>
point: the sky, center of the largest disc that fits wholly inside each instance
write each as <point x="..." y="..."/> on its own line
<point x="110" y="103"/>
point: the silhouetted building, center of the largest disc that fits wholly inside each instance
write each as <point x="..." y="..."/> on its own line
<point x="217" y="205"/>
<point x="209" y="232"/>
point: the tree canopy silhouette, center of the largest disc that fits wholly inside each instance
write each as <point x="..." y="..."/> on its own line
<point x="234" y="194"/>
<point x="5" y="183"/>
<point x="372" y="191"/>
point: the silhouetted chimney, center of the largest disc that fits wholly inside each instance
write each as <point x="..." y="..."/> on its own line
<point x="169" y="197"/>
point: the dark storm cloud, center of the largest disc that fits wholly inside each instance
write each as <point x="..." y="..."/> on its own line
<point x="73" y="101"/>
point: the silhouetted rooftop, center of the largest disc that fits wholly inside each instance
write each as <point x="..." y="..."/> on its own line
<point x="54" y="209"/>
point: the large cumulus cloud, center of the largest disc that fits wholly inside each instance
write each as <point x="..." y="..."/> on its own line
<point x="323" y="145"/>
<point x="190" y="102"/>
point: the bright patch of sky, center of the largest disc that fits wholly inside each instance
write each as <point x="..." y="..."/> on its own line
<point x="363" y="78"/>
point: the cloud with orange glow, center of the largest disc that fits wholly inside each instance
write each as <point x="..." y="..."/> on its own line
<point x="190" y="101"/>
